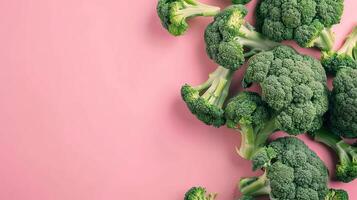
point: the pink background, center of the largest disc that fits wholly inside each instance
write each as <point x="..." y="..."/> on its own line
<point x="90" y="105"/>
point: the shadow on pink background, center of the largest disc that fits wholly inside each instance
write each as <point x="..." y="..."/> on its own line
<point x="90" y="105"/>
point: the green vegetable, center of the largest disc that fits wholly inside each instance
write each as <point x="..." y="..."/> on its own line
<point x="346" y="56"/>
<point x="343" y="109"/>
<point x="206" y="100"/>
<point x="293" y="172"/>
<point x="199" y="193"/>
<point x="174" y="13"/>
<point x="335" y="194"/>
<point x="346" y="169"/>
<point x="308" y="22"/>
<point x="240" y="1"/>
<point x="228" y="37"/>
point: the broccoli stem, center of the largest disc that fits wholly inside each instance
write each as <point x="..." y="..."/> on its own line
<point x="216" y="88"/>
<point x="253" y="140"/>
<point x="255" y="41"/>
<point x="350" y="45"/>
<point x="325" y="41"/>
<point x="336" y="143"/>
<point x="255" y="187"/>
<point x="195" y="8"/>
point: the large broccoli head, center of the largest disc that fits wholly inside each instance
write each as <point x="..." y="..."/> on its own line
<point x="199" y="193"/>
<point x="294" y="87"/>
<point x="228" y="36"/>
<point x="293" y="172"/>
<point x="174" y="13"/>
<point x="305" y="21"/>
<point x="344" y="103"/>
<point x="206" y="100"/>
<point x="346" y="56"/>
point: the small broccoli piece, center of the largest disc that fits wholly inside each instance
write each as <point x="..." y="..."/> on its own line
<point x="240" y="1"/>
<point x="199" y="193"/>
<point x="346" y="169"/>
<point x="335" y="194"/>
<point x="343" y="102"/>
<point x="174" y="13"/>
<point x="229" y="39"/>
<point x="295" y="172"/>
<point x="308" y="22"/>
<point x="293" y="86"/>
<point x="206" y="100"/>
<point x="248" y="114"/>
<point x="346" y="56"/>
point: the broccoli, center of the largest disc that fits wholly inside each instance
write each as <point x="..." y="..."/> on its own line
<point x="343" y="111"/>
<point x="346" y="56"/>
<point x="174" y="13"/>
<point x="228" y="38"/>
<point x="293" y="86"/>
<point x="240" y="1"/>
<point x="335" y="194"/>
<point x="199" y="193"/>
<point x="292" y="172"/>
<point x="346" y="169"/>
<point x="308" y="22"/>
<point x="206" y="100"/>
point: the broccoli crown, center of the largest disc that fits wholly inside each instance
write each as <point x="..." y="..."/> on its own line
<point x="229" y="35"/>
<point x="336" y="194"/>
<point x="344" y="103"/>
<point x="246" y="108"/>
<point x="206" y="100"/>
<point x="198" y="193"/>
<point x="294" y="172"/>
<point x="174" y="13"/>
<point x="299" y="20"/>
<point x="346" y="56"/>
<point x="293" y="85"/>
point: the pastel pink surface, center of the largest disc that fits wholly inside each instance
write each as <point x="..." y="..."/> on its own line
<point x="90" y="105"/>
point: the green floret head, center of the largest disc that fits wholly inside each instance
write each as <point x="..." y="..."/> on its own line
<point x="293" y="172"/>
<point x="305" y="21"/>
<point x="229" y="39"/>
<point x="206" y="100"/>
<point x="293" y="85"/>
<point x="346" y="56"/>
<point x="336" y="194"/>
<point x="198" y="193"/>
<point x="346" y="173"/>
<point x="344" y="103"/>
<point x="248" y="114"/>
<point x="174" y="13"/>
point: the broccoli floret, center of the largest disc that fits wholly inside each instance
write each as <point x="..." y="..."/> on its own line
<point x="336" y="194"/>
<point x="174" y="13"/>
<point x="229" y="39"/>
<point x="346" y="169"/>
<point x="308" y="22"/>
<point x="199" y="193"/>
<point x="295" y="172"/>
<point x="343" y="102"/>
<point x="206" y="101"/>
<point x="248" y="114"/>
<point x="346" y="56"/>
<point x="293" y="86"/>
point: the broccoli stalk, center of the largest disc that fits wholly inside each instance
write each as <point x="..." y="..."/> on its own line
<point x="174" y="13"/>
<point x="206" y="100"/>
<point x="253" y="140"/>
<point x="324" y="41"/>
<point x="255" y="186"/>
<point x="346" y="56"/>
<point x="346" y="169"/>
<point x="199" y="193"/>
